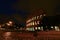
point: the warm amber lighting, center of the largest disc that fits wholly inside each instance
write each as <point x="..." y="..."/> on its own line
<point x="7" y="34"/>
<point x="34" y="18"/>
<point x="36" y="28"/>
<point x="44" y="14"/>
<point x="29" y="24"/>
<point x="37" y="17"/>
<point x="32" y="23"/>
<point x="28" y="20"/>
<point x="10" y="22"/>
<point x="40" y="16"/>
<point x="37" y="22"/>
<point x="57" y="28"/>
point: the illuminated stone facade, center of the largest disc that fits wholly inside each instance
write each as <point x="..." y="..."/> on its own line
<point x="34" y="20"/>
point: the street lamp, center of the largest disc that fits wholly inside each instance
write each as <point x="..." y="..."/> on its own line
<point x="9" y="23"/>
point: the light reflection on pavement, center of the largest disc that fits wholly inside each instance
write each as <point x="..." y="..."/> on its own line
<point x="8" y="36"/>
<point x="50" y="35"/>
<point x="14" y="36"/>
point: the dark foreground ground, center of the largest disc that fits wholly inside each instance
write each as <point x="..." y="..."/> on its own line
<point x="42" y="35"/>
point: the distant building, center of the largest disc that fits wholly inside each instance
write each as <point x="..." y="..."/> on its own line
<point x="33" y="21"/>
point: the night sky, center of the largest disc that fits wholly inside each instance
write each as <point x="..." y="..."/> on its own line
<point x="6" y="6"/>
<point x="24" y="7"/>
<point x="9" y="7"/>
<point x="51" y="6"/>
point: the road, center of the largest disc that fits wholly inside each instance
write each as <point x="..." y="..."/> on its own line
<point x="4" y="35"/>
<point x="50" y="35"/>
<point x="7" y="36"/>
